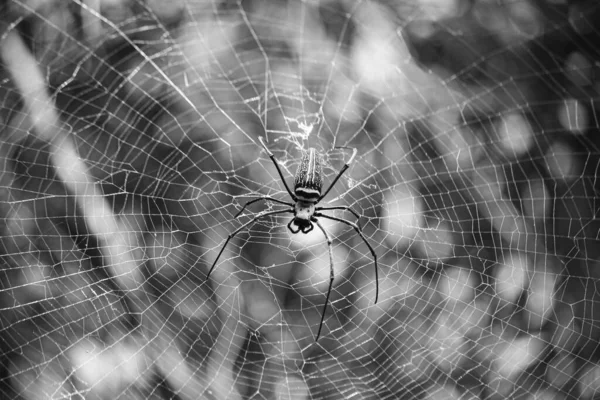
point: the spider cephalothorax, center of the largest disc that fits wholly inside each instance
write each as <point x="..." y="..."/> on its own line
<point x="307" y="194"/>
<point x="303" y="213"/>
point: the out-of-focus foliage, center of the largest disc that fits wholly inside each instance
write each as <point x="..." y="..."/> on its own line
<point x="128" y="142"/>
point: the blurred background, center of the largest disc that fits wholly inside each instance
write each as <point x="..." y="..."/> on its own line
<point x="129" y="140"/>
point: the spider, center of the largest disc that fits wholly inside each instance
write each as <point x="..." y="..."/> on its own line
<point x="307" y="194"/>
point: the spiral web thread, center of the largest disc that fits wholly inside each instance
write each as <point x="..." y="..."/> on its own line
<point x="130" y="140"/>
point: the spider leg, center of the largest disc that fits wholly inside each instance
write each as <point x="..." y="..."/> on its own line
<point x="272" y="157"/>
<point x="339" y="175"/>
<point x="345" y="208"/>
<point x="359" y="231"/>
<point x="331" y="275"/>
<point x="289" y="226"/>
<point x="259" y="199"/>
<point x="232" y="235"/>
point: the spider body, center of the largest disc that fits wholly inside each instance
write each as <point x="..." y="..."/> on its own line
<point x="308" y="184"/>
<point x="307" y="188"/>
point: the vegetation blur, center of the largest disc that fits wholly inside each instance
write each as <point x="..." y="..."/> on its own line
<point x="129" y="140"/>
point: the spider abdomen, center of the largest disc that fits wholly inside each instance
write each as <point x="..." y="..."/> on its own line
<point x="309" y="177"/>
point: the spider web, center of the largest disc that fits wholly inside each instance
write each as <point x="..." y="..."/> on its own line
<point x="130" y="141"/>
